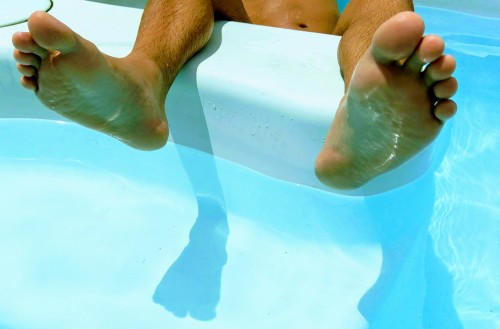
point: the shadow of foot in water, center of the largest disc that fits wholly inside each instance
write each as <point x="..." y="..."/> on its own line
<point x="192" y="284"/>
<point x="414" y="289"/>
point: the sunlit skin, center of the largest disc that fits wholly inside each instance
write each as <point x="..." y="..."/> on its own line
<point x="397" y="85"/>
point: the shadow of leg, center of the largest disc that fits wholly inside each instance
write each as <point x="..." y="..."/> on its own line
<point x="192" y="284"/>
<point x="439" y="310"/>
<point x="411" y="276"/>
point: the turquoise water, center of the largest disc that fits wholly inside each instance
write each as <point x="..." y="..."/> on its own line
<point x="96" y="235"/>
<point x="465" y="226"/>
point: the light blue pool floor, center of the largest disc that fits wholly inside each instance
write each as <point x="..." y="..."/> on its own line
<point x="96" y="235"/>
<point x="118" y="244"/>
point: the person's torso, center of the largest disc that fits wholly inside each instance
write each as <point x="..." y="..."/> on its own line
<point x="308" y="15"/>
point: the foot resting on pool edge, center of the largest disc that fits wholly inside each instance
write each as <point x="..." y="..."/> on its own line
<point x="391" y="111"/>
<point x="122" y="97"/>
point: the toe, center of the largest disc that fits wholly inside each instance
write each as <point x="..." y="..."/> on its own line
<point x="388" y="46"/>
<point x="429" y="49"/>
<point x="50" y="33"/>
<point x="26" y="70"/>
<point x="27" y="58"/>
<point x="29" y="83"/>
<point x="445" y="109"/>
<point x="440" y="69"/>
<point x="445" y="88"/>
<point x="23" y="42"/>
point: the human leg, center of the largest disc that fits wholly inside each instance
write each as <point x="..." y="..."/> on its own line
<point x="122" y="97"/>
<point x="391" y="110"/>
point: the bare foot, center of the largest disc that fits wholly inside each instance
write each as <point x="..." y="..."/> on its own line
<point x="122" y="97"/>
<point x="391" y="111"/>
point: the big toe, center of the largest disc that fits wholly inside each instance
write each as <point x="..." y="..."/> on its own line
<point x="50" y="33"/>
<point x="398" y="37"/>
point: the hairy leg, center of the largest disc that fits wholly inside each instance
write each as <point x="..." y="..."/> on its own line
<point x="391" y="109"/>
<point x="122" y="97"/>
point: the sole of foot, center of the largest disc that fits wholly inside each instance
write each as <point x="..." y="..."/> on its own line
<point x="122" y="97"/>
<point x="396" y="104"/>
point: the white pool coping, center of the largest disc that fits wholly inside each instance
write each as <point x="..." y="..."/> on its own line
<point x="21" y="10"/>
<point x="264" y="96"/>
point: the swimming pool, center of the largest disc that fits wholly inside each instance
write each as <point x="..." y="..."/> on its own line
<point x="96" y="235"/>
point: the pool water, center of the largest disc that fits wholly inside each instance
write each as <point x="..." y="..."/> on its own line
<point x="465" y="226"/>
<point x="147" y="233"/>
<point x="97" y="235"/>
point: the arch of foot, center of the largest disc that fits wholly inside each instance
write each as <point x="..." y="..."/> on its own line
<point x="17" y="11"/>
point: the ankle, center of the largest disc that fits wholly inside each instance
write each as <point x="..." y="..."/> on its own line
<point x="143" y="67"/>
